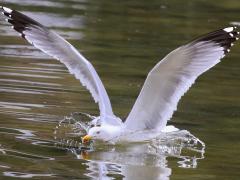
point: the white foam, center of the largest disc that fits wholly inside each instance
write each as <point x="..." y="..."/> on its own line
<point x="228" y="29"/>
<point x="7" y="10"/>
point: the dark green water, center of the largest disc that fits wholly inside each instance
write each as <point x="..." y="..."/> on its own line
<point x="123" y="40"/>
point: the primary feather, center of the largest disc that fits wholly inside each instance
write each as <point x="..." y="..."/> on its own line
<point x="174" y="75"/>
<point x="55" y="46"/>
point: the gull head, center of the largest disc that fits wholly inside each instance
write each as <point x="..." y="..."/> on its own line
<point x="104" y="133"/>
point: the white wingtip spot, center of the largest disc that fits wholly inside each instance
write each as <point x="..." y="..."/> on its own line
<point x="7" y="9"/>
<point x="237" y="38"/>
<point x="228" y="50"/>
<point x="231" y="34"/>
<point x="228" y="29"/>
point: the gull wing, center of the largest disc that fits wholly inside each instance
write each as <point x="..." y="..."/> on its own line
<point x="55" y="46"/>
<point x="174" y="75"/>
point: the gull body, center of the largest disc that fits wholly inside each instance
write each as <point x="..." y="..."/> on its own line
<point x="165" y="84"/>
<point x="120" y="134"/>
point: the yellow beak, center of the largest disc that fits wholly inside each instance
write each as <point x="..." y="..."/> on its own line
<point x="86" y="139"/>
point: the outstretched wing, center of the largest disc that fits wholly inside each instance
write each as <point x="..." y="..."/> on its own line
<point x="55" y="46"/>
<point x="174" y="75"/>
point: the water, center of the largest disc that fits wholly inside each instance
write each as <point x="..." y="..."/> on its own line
<point x="123" y="40"/>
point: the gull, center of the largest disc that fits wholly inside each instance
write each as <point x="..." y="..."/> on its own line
<point x="165" y="84"/>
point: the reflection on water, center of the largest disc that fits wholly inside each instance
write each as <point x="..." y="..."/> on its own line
<point x="98" y="170"/>
<point x="129" y="160"/>
<point x="24" y="135"/>
<point x="123" y="40"/>
<point x="21" y="51"/>
<point x="46" y="3"/>
<point x="22" y="106"/>
<point x="25" y="175"/>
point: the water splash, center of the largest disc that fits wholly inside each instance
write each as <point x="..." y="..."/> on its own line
<point x="182" y="145"/>
<point x="69" y="131"/>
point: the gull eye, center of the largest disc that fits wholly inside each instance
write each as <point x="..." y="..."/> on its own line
<point x="98" y="132"/>
<point x="92" y="125"/>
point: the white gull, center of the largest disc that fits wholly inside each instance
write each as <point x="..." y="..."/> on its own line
<point x="165" y="83"/>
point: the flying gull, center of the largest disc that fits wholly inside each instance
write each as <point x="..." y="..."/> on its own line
<point x="165" y="83"/>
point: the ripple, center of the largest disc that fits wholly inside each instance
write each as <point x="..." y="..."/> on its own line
<point x="3" y="166"/>
<point x="22" y="51"/>
<point x="21" y="132"/>
<point x="21" y="91"/>
<point x="37" y="3"/>
<point x="29" y="75"/>
<point x="29" y="116"/>
<point x="52" y="20"/>
<point x="33" y="69"/>
<point x="25" y="175"/>
<point x="10" y="152"/>
<point x="25" y="135"/>
<point x="16" y="81"/>
<point x="22" y="106"/>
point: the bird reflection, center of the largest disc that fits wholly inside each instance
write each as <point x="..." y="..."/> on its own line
<point x="129" y="164"/>
<point x="142" y="160"/>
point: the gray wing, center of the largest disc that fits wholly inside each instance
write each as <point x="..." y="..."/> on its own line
<point x="55" y="46"/>
<point x="174" y="75"/>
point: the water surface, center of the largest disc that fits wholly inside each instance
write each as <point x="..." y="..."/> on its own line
<point x="123" y="40"/>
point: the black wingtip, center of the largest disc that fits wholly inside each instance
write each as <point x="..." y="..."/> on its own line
<point x="19" y="21"/>
<point x="223" y="37"/>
